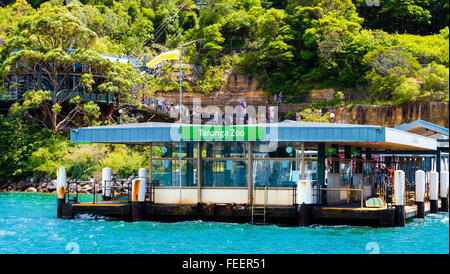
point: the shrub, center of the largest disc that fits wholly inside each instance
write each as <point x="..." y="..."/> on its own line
<point x="407" y="91"/>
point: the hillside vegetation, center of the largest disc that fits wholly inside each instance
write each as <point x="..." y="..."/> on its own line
<point x="292" y="45"/>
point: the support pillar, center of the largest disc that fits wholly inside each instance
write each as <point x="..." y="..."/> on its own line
<point x="399" y="194"/>
<point x="433" y="178"/>
<point x="302" y="159"/>
<point x="420" y="193"/>
<point x="348" y="157"/>
<point x="438" y="161"/>
<point x="249" y="173"/>
<point x="444" y="191"/>
<point x="150" y="174"/>
<point x="304" y="198"/>
<point x="61" y="188"/>
<point x="321" y="171"/>
<point x="199" y="172"/>
<point x="138" y="196"/>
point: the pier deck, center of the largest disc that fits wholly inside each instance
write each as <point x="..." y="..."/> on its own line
<point x="343" y="214"/>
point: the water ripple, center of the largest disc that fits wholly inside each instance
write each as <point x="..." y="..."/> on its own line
<point x="28" y="225"/>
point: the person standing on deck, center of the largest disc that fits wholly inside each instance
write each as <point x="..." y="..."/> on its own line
<point x="280" y="97"/>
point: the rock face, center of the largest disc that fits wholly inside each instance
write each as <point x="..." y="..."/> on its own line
<point x="391" y="116"/>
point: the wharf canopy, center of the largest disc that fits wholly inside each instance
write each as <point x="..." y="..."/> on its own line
<point x="242" y="157"/>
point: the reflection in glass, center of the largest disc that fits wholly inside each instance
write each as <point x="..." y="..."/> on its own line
<point x="167" y="173"/>
<point x="224" y="173"/>
<point x="225" y="150"/>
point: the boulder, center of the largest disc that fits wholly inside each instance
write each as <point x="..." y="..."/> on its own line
<point x="21" y="185"/>
<point x="51" y="186"/>
<point x="86" y="189"/>
<point x="31" y="189"/>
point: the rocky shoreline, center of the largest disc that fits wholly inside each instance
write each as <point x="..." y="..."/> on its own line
<point x="49" y="186"/>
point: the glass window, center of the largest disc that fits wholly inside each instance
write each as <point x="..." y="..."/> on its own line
<point x="275" y="173"/>
<point x="224" y="150"/>
<point x="167" y="173"/>
<point x="345" y="171"/>
<point x="274" y="150"/>
<point x="172" y="150"/>
<point x="311" y="171"/>
<point x="224" y="173"/>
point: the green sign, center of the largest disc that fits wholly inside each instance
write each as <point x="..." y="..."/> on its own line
<point x="205" y="132"/>
<point x="356" y="152"/>
<point x="331" y="150"/>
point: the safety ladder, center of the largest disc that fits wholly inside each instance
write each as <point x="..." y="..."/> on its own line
<point x="259" y="212"/>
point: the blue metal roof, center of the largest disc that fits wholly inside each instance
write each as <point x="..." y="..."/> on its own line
<point x="424" y="124"/>
<point x="287" y="131"/>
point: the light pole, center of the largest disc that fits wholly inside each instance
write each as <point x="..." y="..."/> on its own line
<point x="332" y="117"/>
<point x="171" y="55"/>
<point x="120" y="115"/>
<point x="179" y="120"/>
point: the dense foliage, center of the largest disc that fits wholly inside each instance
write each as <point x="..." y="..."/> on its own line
<point x="291" y="45"/>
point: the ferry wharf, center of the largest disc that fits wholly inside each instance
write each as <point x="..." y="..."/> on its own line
<point x="288" y="173"/>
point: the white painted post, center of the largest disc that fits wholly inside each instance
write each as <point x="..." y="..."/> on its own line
<point x="138" y="196"/>
<point x="106" y="183"/>
<point x="304" y="200"/>
<point x="433" y="178"/>
<point x="444" y="191"/>
<point x="399" y="192"/>
<point x="61" y="188"/>
<point x="304" y="192"/>
<point x="420" y="193"/>
<point x="142" y="187"/>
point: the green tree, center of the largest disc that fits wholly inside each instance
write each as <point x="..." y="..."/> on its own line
<point x="51" y="43"/>
<point x="213" y="39"/>
<point x="19" y="138"/>
<point x="314" y="115"/>
<point x="405" y="16"/>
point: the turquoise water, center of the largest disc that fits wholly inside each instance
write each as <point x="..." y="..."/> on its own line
<point x="28" y="225"/>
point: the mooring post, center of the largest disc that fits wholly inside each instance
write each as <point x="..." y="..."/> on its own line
<point x="420" y="193"/>
<point x="444" y="191"/>
<point x="399" y="193"/>
<point x="433" y="177"/>
<point x="106" y="184"/>
<point x="304" y="198"/>
<point x="138" y="196"/>
<point x="61" y="188"/>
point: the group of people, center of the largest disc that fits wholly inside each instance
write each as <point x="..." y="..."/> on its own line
<point x="279" y="99"/>
<point x="197" y="114"/>
<point x="383" y="176"/>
